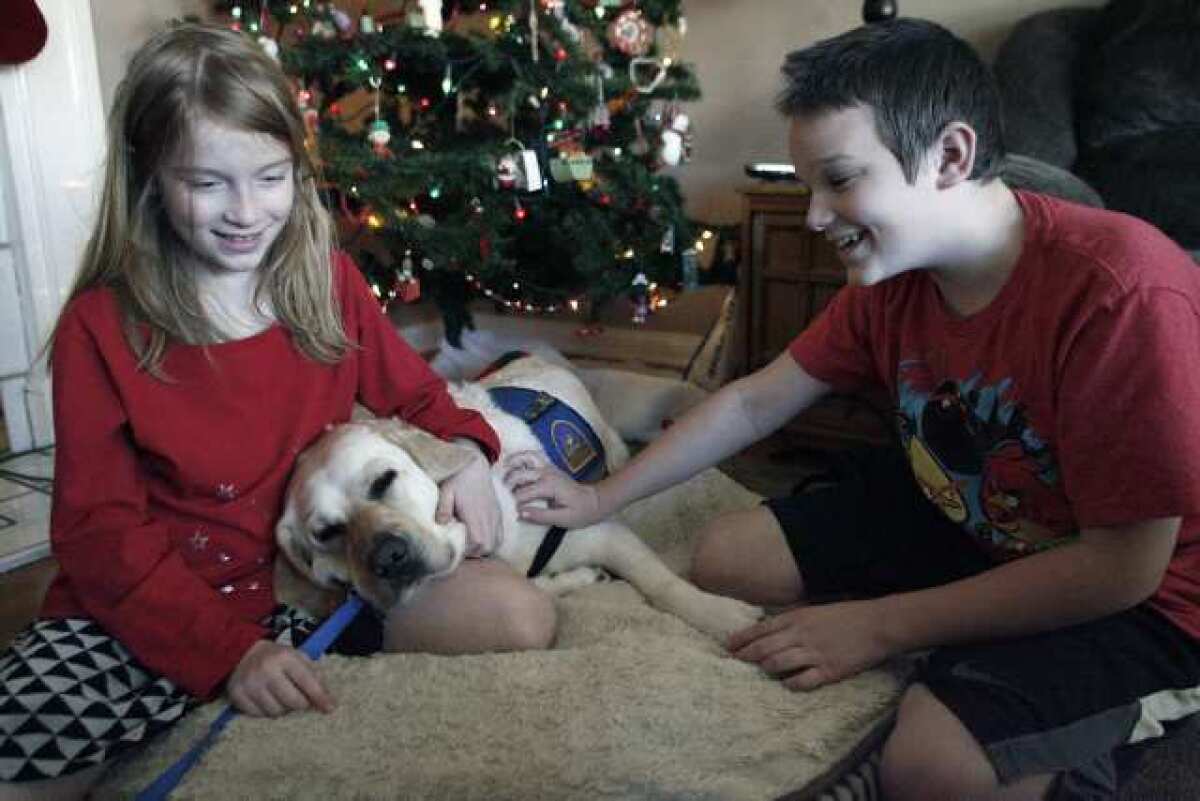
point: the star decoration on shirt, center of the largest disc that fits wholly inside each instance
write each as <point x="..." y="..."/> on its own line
<point x="199" y="540"/>
<point x="226" y="492"/>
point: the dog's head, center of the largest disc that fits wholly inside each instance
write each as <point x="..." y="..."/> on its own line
<point x="360" y="508"/>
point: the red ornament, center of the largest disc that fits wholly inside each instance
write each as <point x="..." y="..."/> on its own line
<point x="409" y="290"/>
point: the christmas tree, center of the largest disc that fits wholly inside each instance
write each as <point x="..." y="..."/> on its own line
<point x="505" y="148"/>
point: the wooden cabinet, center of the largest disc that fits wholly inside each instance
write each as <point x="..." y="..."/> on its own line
<point x="787" y="275"/>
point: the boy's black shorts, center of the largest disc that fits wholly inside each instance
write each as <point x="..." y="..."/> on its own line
<point x="1061" y="702"/>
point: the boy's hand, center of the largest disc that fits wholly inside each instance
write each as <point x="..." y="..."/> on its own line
<point x="534" y="480"/>
<point x="814" y="645"/>
<point x="273" y="680"/>
<point x="470" y="496"/>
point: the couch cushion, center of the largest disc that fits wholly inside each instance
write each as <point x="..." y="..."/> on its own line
<point x="1035" y="69"/>
<point x="1142" y="73"/>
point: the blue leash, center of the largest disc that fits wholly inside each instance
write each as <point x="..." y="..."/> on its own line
<point x="314" y="646"/>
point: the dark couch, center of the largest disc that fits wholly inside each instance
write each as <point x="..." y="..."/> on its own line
<point x="1112" y="94"/>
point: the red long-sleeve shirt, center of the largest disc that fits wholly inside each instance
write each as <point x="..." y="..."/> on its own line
<point x="166" y="493"/>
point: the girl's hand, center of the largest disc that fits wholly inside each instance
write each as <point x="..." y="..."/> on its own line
<point x="814" y="645"/>
<point x="273" y="680"/>
<point x="470" y="496"/>
<point x="548" y="496"/>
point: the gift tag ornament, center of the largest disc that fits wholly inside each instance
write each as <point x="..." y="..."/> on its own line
<point x="631" y="33"/>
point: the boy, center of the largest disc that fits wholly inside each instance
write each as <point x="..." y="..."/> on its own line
<point x="1042" y="360"/>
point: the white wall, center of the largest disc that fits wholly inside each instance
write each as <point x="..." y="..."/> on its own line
<point x="121" y="27"/>
<point x="738" y="46"/>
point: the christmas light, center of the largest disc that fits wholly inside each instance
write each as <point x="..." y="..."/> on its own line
<point x="707" y="235"/>
<point x="375" y="289"/>
<point x="236" y="12"/>
<point x="374" y="220"/>
<point x="417" y="144"/>
<point x="293" y="9"/>
<point x="390" y="65"/>
<point x="574" y="304"/>
<point x="435" y="193"/>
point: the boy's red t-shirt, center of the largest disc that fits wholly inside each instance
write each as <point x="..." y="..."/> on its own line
<point x="166" y="493"/>
<point x="1071" y="401"/>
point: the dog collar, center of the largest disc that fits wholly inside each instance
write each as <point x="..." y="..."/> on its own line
<point x="568" y="440"/>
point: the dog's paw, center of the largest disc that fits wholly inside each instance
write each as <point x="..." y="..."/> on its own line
<point x="720" y="616"/>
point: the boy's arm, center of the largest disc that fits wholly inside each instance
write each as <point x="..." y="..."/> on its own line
<point x="1105" y="571"/>
<point x="739" y="414"/>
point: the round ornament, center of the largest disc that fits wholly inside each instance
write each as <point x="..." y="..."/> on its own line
<point x="631" y="33"/>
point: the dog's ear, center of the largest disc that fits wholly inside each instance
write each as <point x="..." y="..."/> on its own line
<point x="438" y="458"/>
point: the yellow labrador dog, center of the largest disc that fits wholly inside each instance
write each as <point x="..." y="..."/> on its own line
<point x="359" y="510"/>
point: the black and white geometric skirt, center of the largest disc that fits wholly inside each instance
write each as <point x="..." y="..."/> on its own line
<point x="71" y="696"/>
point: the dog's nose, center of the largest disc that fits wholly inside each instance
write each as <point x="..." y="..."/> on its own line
<point x="391" y="558"/>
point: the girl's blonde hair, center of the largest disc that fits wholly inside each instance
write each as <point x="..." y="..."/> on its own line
<point x="184" y="73"/>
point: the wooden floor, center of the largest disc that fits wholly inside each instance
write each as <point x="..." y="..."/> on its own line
<point x="21" y="594"/>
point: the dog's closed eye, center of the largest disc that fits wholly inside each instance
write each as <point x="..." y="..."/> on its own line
<point x="329" y="532"/>
<point x="379" y="486"/>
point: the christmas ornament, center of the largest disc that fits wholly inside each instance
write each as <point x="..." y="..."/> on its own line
<point x="630" y="33"/>
<point x="506" y="171"/>
<point x="269" y="46"/>
<point x="519" y="168"/>
<point x="646" y="73"/>
<point x="676" y="144"/>
<point x="599" y="118"/>
<point x="431" y="13"/>
<point x="574" y="166"/>
<point x="408" y="287"/>
<point x="309" y="114"/>
<point x="689" y="266"/>
<point x="379" y="134"/>
<point x="668" y="241"/>
<point x="668" y="40"/>
<point x="640" y="294"/>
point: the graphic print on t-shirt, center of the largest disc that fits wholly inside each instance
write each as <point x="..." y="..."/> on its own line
<point x="976" y="456"/>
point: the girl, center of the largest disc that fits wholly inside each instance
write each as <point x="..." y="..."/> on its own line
<point x="211" y="335"/>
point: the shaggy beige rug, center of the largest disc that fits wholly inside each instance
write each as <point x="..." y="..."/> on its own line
<point x="630" y="704"/>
